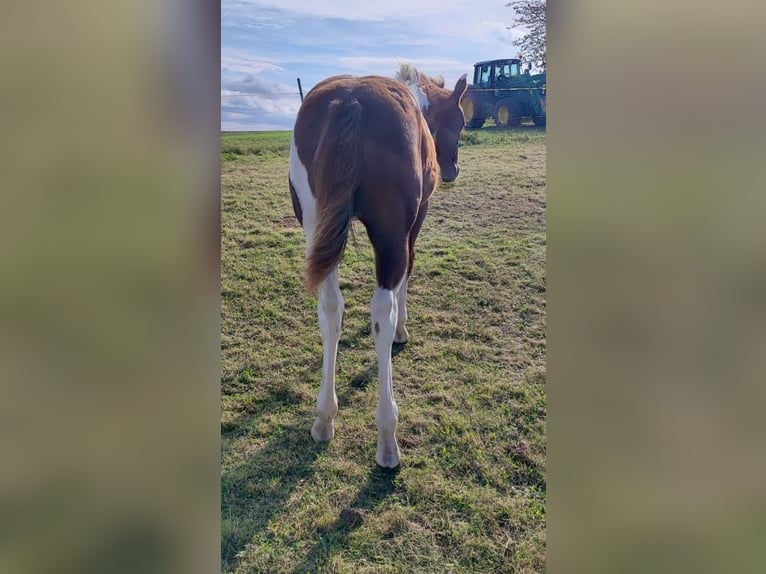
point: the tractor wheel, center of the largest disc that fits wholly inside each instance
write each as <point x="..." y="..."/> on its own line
<point x="472" y="119"/>
<point x="507" y="113"/>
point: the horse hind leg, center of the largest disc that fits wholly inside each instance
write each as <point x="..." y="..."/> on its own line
<point x="402" y="335"/>
<point x="329" y="304"/>
<point x="384" y="311"/>
<point x="330" y="310"/>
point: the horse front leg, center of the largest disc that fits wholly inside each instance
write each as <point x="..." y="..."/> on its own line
<point x="384" y="319"/>
<point x="330" y="311"/>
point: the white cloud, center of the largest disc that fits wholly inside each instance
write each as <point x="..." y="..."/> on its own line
<point x="236" y="116"/>
<point x="242" y="62"/>
<point x="350" y="9"/>
<point x="250" y="15"/>
<point x="253" y="85"/>
<point x="260" y="103"/>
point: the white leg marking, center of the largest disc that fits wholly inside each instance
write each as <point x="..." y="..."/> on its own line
<point x="384" y="316"/>
<point x="330" y="311"/>
<point x="401" y="335"/>
<point x="300" y="180"/>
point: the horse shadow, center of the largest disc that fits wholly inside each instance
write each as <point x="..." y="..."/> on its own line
<point x="331" y="539"/>
<point x="250" y="497"/>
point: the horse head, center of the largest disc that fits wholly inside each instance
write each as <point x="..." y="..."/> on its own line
<point x="445" y="121"/>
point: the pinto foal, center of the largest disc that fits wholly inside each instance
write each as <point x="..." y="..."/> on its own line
<point x="369" y="147"/>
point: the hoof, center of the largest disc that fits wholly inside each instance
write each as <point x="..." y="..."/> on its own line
<point x="388" y="456"/>
<point x="322" y="432"/>
<point x="401" y="335"/>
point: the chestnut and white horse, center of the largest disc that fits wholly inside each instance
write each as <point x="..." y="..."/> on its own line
<point x="372" y="148"/>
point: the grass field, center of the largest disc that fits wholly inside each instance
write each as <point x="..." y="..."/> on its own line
<point x="470" y="384"/>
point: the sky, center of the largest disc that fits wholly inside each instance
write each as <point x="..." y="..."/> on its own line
<point x="267" y="44"/>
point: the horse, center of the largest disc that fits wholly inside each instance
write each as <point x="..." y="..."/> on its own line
<point x="370" y="148"/>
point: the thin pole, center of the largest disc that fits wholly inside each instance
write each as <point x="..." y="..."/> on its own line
<point x="300" y="89"/>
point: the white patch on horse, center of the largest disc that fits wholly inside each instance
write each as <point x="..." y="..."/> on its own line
<point x="300" y="179"/>
<point x="330" y="312"/>
<point x="409" y="75"/>
<point x="421" y="99"/>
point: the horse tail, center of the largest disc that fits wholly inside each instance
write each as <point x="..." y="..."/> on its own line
<point x="337" y="176"/>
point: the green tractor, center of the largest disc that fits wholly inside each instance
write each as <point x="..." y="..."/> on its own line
<point x="502" y="91"/>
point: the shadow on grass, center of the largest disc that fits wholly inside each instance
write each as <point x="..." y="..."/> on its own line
<point x="528" y="473"/>
<point x="257" y="489"/>
<point x="350" y="339"/>
<point x="333" y="538"/>
<point x="253" y="492"/>
<point x="272" y="396"/>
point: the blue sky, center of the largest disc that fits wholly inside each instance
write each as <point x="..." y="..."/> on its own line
<point x="267" y="44"/>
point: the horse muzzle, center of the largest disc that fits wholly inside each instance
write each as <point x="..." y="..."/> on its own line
<point x="448" y="177"/>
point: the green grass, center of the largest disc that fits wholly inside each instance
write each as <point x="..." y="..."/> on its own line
<point x="269" y="144"/>
<point x="470" y="383"/>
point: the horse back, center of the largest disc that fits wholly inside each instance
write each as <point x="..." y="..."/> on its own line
<point x="393" y="133"/>
<point x="395" y="156"/>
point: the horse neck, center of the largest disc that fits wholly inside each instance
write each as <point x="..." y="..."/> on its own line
<point x="436" y="97"/>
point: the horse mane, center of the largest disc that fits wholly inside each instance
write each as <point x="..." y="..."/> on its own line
<point x="409" y="74"/>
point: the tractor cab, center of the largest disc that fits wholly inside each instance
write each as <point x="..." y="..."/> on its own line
<point x="496" y="73"/>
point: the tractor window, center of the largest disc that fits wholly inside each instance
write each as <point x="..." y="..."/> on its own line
<point x="482" y="75"/>
<point x="502" y="74"/>
<point x="507" y="70"/>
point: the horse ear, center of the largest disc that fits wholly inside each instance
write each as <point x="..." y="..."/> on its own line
<point x="460" y="87"/>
